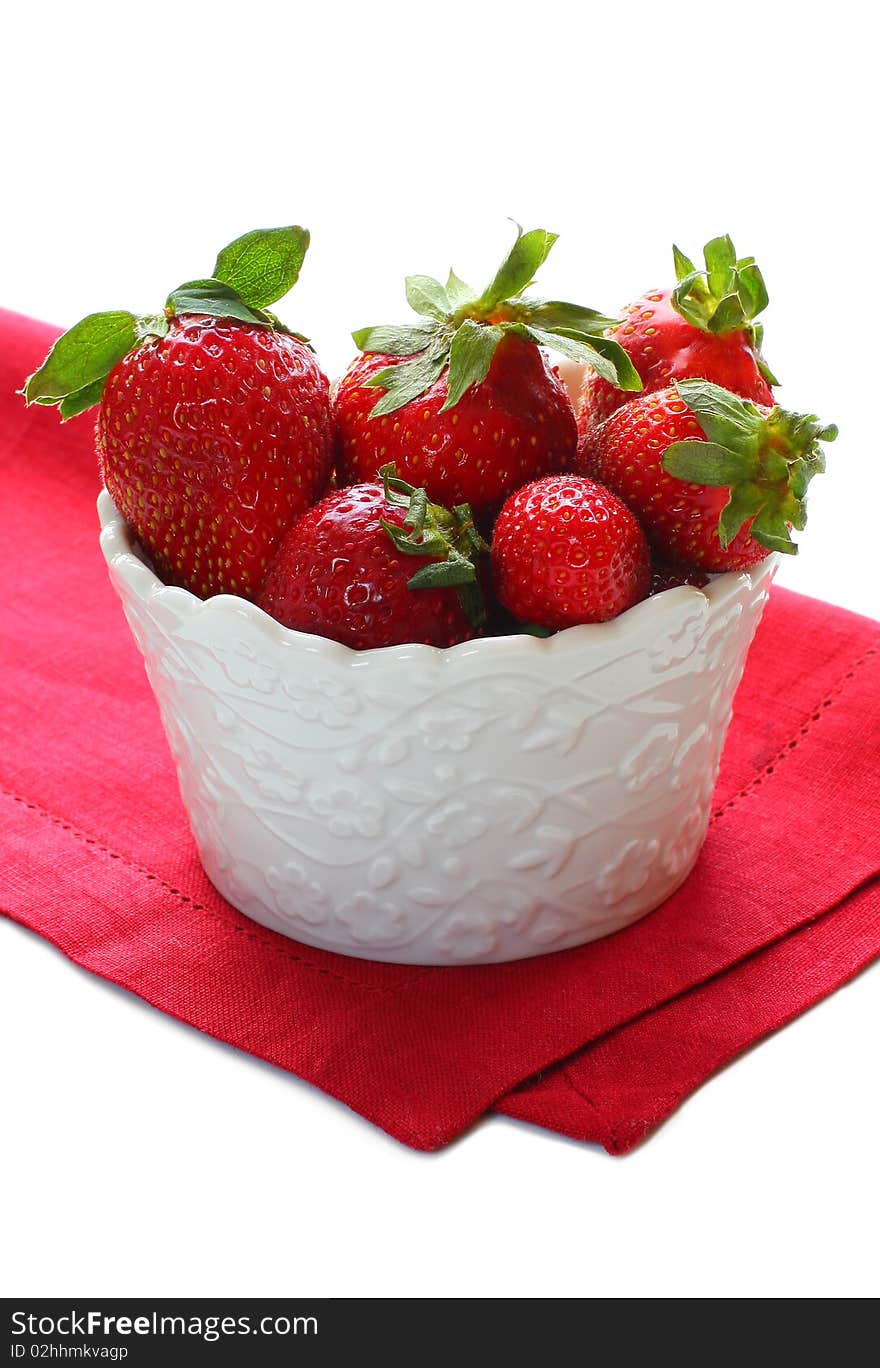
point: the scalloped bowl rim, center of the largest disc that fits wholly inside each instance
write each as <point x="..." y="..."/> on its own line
<point x="120" y="552"/>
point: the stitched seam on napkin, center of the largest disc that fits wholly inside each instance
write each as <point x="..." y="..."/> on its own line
<point x="197" y="906"/>
<point x="619" y="1134"/>
<point x="784" y="751"/>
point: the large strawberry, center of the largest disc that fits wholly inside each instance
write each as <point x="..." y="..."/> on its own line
<point x="463" y="401"/>
<point x="717" y="481"/>
<point x="565" y="550"/>
<point x="345" y="569"/>
<point x="214" y="426"/>
<point x="703" y="328"/>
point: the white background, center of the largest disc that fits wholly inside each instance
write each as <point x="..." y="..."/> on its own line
<point x="136" y="1156"/>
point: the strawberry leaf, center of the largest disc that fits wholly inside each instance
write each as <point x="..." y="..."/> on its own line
<point x="448" y="539"/>
<point x="745" y="501"/>
<point x="557" y="313"/>
<point x="757" y="343"/>
<point x="726" y="296"/>
<point x="570" y="328"/>
<point x="473" y="605"/>
<point x="428" y="542"/>
<point x="155" y="325"/>
<point x="263" y="265"/>
<point x="767" y="459"/>
<point x="458" y="293"/>
<point x="704" y="463"/>
<point x="74" y="404"/>
<point x="729" y="316"/>
<point x="771" y="531"/>
<point x="606" y="357"/>
<point x="253" y="271"/>
<point x="686" y="300"/>
<point x="470" y="356"/>
<point x="720" y="258"/>
<point x="426" y="296"/>
<point x="683" y="264"/>
<point x="81" y="356"/>
<point x="444" y="574"/>
<point x="407" y="381"/>
<point x="517" y="271"/>
<point x="395" y="341"/>
<point x="753" y="291"/>
<point x="572" y="345"/>
<point x="725" y="419"/>
<point x="216" y="299"/>
<point x="626" y="377"/>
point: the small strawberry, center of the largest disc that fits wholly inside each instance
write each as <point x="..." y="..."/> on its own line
<point x="214" y="428"/>
<point x="464" y="401"/>
<point x="716" y="481"/>
<point x="565" y="550"/>
<point x="701" y="329"/>
<point x="345" y="570"/>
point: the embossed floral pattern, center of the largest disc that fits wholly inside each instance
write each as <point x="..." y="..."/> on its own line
<point x="690" y="760"/>
<point x="372" y="920"/>
<point x="467" y="936"/>
<point x="649" y="757"/>
<point x="679" y="641"/>
<point x="679" y="850"/>
<point x="349" y="809"/>
<point x="628" y="871"/>
<point x="448" y="728"/>
<point x="503" y="800"/>
<point x="272" y="777"/>
<point x="456" y="823"/>
<point x="243" y="668"/>
<point x="713" y="646"/>
<point x="323" y="699"/>
<point x="297" y="896"/>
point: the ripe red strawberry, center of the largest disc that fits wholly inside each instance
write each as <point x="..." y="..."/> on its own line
<point x="215" y="427"/>
<point x="345" y="569"/>
<point x="514" y="426"/>
<point x="464" y="401"/>
<point x="565" y="550"/>
<point x="702" y="328"/>
<point x="716" y="481"/>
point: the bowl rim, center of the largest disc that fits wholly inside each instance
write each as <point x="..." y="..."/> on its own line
<point x="644" y="619"/>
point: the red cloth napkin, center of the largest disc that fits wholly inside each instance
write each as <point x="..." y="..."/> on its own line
<point x="600" y="1043"/>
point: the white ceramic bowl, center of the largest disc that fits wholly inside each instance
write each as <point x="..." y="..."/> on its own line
<point x="496" y="800"/>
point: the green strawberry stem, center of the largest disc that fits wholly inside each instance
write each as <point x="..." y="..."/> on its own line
<point x="251" y="273"/>
<point x="767" y="459"/>
<point x="725" y="296"/>
<point x="460" y="330"/>
<point x="429" y="529"/>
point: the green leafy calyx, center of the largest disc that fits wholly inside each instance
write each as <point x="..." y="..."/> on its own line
<point x="448" y="537"/>
<point x="460" y="330"/>
<point x="251" y="273"/>
<point x="766" y="458"/>
<point x="725" y="296"/>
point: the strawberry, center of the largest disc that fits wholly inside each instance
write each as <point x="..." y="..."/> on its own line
<point x="674" y="576"/>
<point x="214" y="428"/>
<point x="345" y="571"/>
<point x="702" y="328"/>
<point x="463" y="401"/>
<point x="716" y="481"/>
<point x="565" y="550"/>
